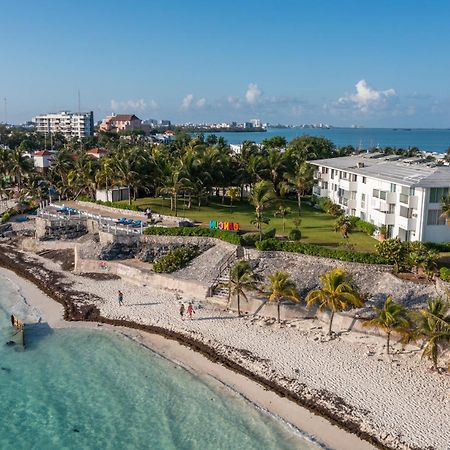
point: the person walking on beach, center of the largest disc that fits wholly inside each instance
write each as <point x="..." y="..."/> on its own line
<point x="120" y="298"/>
<point x="182" y="311"/>
<point x="190" y="310"/>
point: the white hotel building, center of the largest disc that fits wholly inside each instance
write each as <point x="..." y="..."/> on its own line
<point x="404" y="194"/>
<point x="68" y="124"/>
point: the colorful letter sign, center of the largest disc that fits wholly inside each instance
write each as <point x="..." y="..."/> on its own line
<point x="225" y="226"/>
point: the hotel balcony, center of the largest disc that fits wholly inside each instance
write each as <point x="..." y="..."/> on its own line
<point x="412" y="201"/>
<point x="320" y="192"/>
<point x="348" y="185"/>
<point x="352" y="203"/>
<point x="321" y="176"/>
<point x="391" y="197"/>
<point x="383" y="218"/>
<point x="406" y="223"/>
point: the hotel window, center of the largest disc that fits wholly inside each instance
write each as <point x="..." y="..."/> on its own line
<point x="363" y="200"/>
<point x="364" y="180"/>
<point x="332" y="174"/>
<point x="435" y="217"/>
<point x="406" y="212"/>
<point x="376" y="193"/>
<point x="412" y="191"/>
<point x="383" y="195"/>
<point x="354" y="177"/>
<point x="436" y="194"/>
<point x="393" y="187"/>
<point x="391" y="208"/>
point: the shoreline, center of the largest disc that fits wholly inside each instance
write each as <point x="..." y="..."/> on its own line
<point x="312" y="420"/>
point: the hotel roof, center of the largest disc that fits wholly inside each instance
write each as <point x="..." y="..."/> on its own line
<point x="416" y="171"/>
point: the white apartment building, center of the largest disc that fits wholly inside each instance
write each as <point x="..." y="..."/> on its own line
<point x="67" y="123"/>
<point x="404" y="194"/>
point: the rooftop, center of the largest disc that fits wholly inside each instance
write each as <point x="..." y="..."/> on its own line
<point x="416" y="171"/>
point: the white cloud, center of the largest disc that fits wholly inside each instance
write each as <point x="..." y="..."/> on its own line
<point x="253" y="94"/>
<point x="187" y="101"/>
<point x="127" y="105"/>
<point x="367" y="97"/>
<point x="201" y="102"/>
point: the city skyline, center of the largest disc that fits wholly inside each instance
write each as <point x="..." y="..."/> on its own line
<point x="370" y="65"/>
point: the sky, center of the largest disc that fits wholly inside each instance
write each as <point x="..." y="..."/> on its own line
<point x="360" y="62"/>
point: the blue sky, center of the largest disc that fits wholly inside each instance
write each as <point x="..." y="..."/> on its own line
<point x="383" y="63"/>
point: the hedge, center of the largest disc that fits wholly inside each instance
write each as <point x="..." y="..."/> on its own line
<point x="317" y="250"/>
<point x="175" y="259"/>
<point x="116" y="205"/>
<point x="227" y="236"/>
<point x="443" y="247"/>
<point x="250" y="239"/>
<point x="366" y="227"/>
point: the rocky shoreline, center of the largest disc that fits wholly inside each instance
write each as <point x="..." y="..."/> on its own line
<point x="78" y="306"/>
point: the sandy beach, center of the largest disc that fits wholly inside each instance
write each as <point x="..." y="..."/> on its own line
<point x="393" y="401"/>
<point x="311" y="426"/>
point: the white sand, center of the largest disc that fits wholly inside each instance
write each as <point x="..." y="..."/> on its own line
<point x="395" y="398"/>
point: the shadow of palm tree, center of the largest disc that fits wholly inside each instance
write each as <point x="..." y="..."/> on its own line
<point x="142" y="304"/>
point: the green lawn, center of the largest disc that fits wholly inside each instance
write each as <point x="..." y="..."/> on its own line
<point x="317" y="227"/>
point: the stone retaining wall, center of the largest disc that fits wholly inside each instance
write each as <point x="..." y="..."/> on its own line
<point x="139" y="277"/>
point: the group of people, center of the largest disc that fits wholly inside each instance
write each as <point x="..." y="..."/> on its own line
<point x="189" y="310"/>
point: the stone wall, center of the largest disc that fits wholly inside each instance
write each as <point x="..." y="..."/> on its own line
<point x="47" y="230"/>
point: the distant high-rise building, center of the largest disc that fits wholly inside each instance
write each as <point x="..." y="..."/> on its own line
<point x="165" y="123"/>
<point x="67" y="123"/>
<point x="256" y="123"/>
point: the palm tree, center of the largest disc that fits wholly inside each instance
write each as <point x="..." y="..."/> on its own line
<point x="173" y="184"/>
<point x="19" y="166"/>
<point x="283" y="211"/>
<point x="282" y="288"/>
<point x="261" y="196"/>
<point x="300" y="180"/>
<point x="391" y="317"/>
<point x="233" y="193"/>
<point x="336" y="294"/>
<point x="445" y="206"/>
<point x="343" y="225"/>
<point x="242" y="279"/>
<point x="434" y="328"/>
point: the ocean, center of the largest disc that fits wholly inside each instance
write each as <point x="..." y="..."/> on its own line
<point x="436" y="140"/>
<point x="96" y="389"/>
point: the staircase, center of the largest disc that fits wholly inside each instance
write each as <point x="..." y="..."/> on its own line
<point x="220" y="287"/>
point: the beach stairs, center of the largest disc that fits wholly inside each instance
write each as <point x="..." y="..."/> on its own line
<point x="220" y="288"/>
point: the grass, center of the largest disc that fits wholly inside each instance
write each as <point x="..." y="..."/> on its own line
<point x="316" y="227"/>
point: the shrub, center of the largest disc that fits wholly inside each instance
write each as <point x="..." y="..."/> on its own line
<point x="295" y="234"/>
<point x="394" y="252"/>
<point x="175" y="259"/>
<point x="250" y="239"/>
<point x="227" y="236"/>
<point x="366" y="227"/>
<point x="5" y="217"/>
<point x="444" y="273"/>
<point x="317" y="250"/>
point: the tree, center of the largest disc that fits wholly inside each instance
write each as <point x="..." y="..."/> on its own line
<point x="173" y="184"/>
<point x="336" y="294"/>
<point x="19" y="166"/>
<point x="261" y="197"/>
<point x="242" y="279"/>
<point x="343" y="225"/>
<point x="391" y="317"/>
<point x="283" y="211"/>
<point x="434" y="328"/>
<point x="282" y="288"/>
<point x="445" y="206"/>
<point x="233" y="193"/>
<point x="300" y="180"/>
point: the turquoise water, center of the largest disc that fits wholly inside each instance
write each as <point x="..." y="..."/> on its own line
<point x="94" y="389"/>
<point x="437" y="140"/>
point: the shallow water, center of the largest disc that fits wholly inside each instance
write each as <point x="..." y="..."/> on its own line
<point x="95" y="389"/>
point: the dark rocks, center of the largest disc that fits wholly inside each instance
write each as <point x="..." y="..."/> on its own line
<point x="64" y="231"/>
<point x="119" y="250"/>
